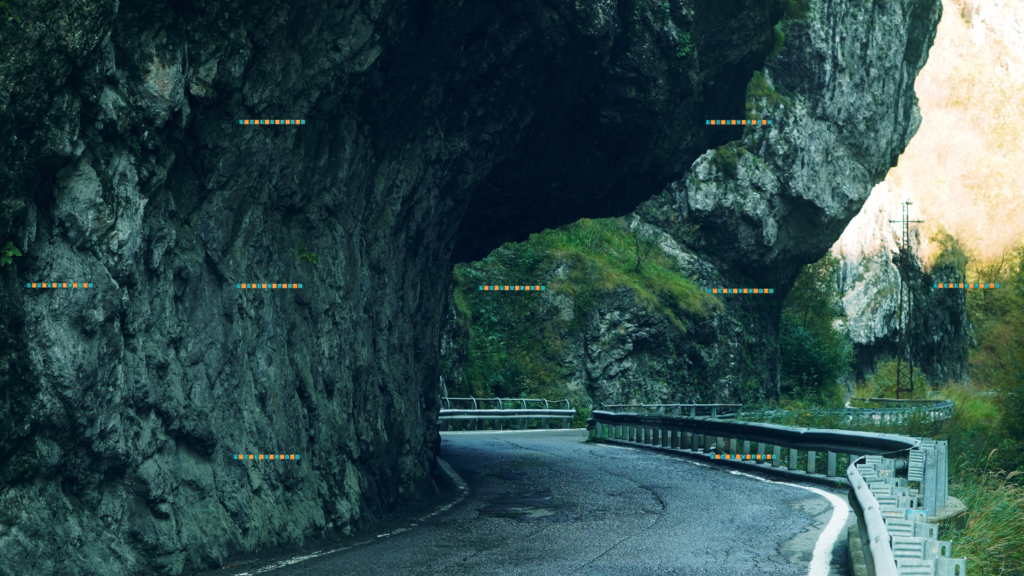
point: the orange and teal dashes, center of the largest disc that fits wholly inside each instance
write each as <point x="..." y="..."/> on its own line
<point x="965" y="285"/>
<point x="59" y="285"/>
<point x="741" y="290"/>
<point x="737" y="122"/>
<point x="276" y="122"/>
<point x="265" y="286"/>
<point x="266" y="456"/>
<point x="512" y="288"/>
<point x="741" y="456"/>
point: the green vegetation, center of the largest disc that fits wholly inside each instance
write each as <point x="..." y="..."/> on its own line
<point x="813" y="354"/>
<point x="997" y="363"/>
<point x="308" y="256"/>
<point x="8" y="16"/>
<point x="762" y="98"/>
<point x="882" y="384"/>
<point x="515" y="346"/>
<point x="8" y="252"/>
<point x="986" y="431"/>
<point x="778" y="40"/>
<point x="685" y="46"/>
<point x="727" y="158"/>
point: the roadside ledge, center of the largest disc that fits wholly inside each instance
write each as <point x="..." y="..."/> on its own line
<point x="856" y="549"/>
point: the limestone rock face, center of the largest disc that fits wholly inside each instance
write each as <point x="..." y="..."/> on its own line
<point x="124" y="165"/>
<point x="870" y="282"/>
<point x="841" y="99"/>
<point x="626" y="353"/>
<point x="433" y="131"/>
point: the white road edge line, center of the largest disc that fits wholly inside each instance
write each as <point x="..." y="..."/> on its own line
<point x="827" y="539"/>
<point x="445" y="467"/>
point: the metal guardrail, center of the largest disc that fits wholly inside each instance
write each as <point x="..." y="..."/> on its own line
<point x="713" y="410"/>
<point x="935" y="410"/>
<point x="521" y="412"/>
<point x="885" y="505"/>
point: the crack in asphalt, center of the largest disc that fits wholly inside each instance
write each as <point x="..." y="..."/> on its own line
<point x="658" y="497"/>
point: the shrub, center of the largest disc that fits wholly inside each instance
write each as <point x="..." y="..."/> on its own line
<point x="813" y="354"/>
<point x="8" y="252"/>
<point x="685" y="46"/>
<point x="882" y="384"/>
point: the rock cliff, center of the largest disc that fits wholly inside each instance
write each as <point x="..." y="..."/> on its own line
<point x="870" y="281"/>
<point x="843" y="108"/>
<point x="433" y="132"/>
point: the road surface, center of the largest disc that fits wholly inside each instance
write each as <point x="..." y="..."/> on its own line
<point x="546" y="502"/>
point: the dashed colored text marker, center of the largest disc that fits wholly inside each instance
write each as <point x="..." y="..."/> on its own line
<point x="741" y="290"/>
<point x="512" y="288"/>
<point x="266" y="456"/>
<point x="741" y="456"/>
<point x="266" y="286"/>
<point x="737" y="122"/>
<point x="964" y="285"/>
<point x="58" y="285"/>
<point x="275" y="122"/>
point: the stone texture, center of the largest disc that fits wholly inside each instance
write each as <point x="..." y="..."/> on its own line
<point x="123" y="165"/>
<point x="870" y="281"/>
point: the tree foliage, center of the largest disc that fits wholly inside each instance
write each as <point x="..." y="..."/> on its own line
<point x="814" y="354"/>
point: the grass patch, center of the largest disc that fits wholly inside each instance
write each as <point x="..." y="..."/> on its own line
<point x="882" y="384"/>
<point x="761" y="97"/>
<point x="516" y="344"/>
<point x="727" y="158"/>
<point x="991" y="534"/>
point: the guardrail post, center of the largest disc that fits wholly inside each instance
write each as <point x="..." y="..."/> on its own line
<point x="720" y="446"/>
<point x="746" y="447"/>
<point x="565" y="422"/>
<point x="707" y="443"/>
<point x="664" y="438"/>
<point x="544" y="423"/>
<point x="761" y="452"/>
<point x="943" y="475"/>
<point x="776" y="454"/>
<point x="599" y="429"/>
<point x="714" y="411"/>
<point x="675" y="439"/>
<point x="830" y="467"/>
<point x="930" y="484"/>
<point x="734" y="446"/>
<point x="794" y="458"/>
<point x="693" y="411"/>
<point x="811" y="457"/>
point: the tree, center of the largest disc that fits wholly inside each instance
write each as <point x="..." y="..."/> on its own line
<point x="814" y="354"/>
<point x="645" y="239"/>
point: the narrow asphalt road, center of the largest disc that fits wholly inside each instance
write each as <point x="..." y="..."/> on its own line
<point x="546" y="502"/>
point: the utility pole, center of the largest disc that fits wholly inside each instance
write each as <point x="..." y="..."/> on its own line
<point x="904" y="326"/>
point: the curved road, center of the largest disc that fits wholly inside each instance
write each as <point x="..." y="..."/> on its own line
<point x="546" y="502"/>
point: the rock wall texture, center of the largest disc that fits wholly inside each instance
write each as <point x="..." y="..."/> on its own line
<point x="626" y="352"/>
<point x="870" y="281"/>
<point x="839" y="91"/>
<point x="434" y="131"/>
<point x="123" y="165"/>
